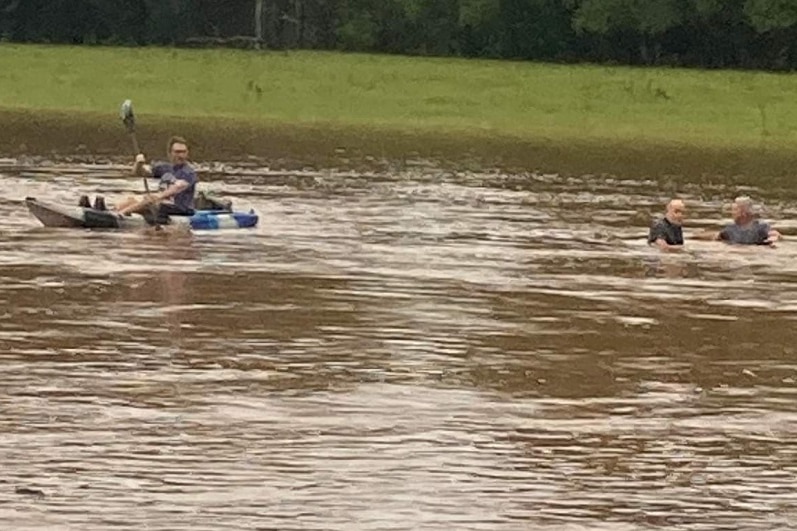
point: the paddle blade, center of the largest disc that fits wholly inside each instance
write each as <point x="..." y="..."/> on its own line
<point x="127" y="116"/>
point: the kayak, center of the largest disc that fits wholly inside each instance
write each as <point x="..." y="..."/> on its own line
<point x="70" y="216"/>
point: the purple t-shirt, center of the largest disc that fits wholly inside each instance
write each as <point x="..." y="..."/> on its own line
<point x="169" y="174"/>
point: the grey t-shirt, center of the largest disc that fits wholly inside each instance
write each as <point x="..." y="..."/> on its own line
<point x="756" y="233"/>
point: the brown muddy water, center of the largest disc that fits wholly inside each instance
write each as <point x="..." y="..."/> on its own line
<point x="422" y="350"/>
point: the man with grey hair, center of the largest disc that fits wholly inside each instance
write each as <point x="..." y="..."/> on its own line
<point x="746" y="229"/>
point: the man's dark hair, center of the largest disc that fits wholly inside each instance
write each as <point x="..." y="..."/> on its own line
<point x="175" y="140"/>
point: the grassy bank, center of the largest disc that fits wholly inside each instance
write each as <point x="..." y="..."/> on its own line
<point x="307" y="105"/>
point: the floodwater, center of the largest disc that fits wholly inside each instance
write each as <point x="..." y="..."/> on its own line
<point x="416" y="350"/>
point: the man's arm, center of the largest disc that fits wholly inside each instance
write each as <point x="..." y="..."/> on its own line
<point x="771" y="235"/>
<point x="657" y="237"/>
<point x="707" y="235"/>
<point x="655" y="234"/>
<point x="662" y="244"/>
<point x="173" y="189"/>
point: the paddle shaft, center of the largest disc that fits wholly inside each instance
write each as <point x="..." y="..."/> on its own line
<point x="133" y="139"/>
<point x="130" y="124"/>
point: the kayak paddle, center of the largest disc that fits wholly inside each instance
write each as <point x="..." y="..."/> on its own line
<point x="129" y="119"/>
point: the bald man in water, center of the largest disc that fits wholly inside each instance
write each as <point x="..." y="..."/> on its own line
<point x="667" y="233"/>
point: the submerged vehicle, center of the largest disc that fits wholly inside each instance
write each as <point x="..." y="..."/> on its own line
<point x="210" y="214"/>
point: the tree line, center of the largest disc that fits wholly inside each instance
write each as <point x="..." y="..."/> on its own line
<point x="753" y="34"/>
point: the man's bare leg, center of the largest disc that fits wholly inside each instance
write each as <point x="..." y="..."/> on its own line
<point x="126" y="202"/>
<point x="131" y="205"/>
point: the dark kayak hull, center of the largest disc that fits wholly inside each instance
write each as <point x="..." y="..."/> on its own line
<point x="68" y="216"/>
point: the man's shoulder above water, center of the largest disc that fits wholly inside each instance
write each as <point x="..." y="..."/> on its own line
<point x="754" y="233"/>
<point x="663" y="229"/>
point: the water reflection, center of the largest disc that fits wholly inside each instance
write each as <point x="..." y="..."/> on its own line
<point x="421" y="350"/>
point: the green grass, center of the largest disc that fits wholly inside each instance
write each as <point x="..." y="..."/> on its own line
<point x="493" y="100"/>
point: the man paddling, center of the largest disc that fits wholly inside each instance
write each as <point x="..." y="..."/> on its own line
<point x="667" y="233"/>
<point x="745" y="229"/>
<point x="177" y="183"/>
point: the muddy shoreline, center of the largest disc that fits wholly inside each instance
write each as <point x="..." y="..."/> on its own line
<point x="88" y="137"/>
